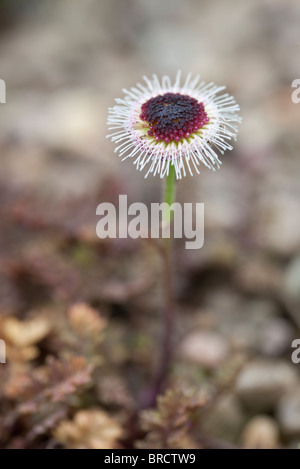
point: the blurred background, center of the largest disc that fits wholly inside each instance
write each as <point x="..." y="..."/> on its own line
<point x="80" y="316"/>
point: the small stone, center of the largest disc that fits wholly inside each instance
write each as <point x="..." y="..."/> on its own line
<point x="288" y="414"/>
<point x="275" y="337"/>
<point x="277" y="227"/>
<point x="258" y="275"/>
<point x="206" y="348"/>
<point x="261" y="384"/>
<point x="226" y="419"/>
<point x="261" y="433"/>
<point x="292" y="279"/>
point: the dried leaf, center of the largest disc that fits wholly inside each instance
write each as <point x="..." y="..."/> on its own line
<point x="112" y="391"/>
<point x="85" y="320"/>
<point x="168" y="426"/>
<point x="90" y="429"/>
<point x="55" y="383"/>
<point x="17" y="383"/>
<point x="47" y="423"/>
<point x="25" y="333"/>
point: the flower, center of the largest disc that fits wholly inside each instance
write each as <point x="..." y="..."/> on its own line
<point x="158" y="123"/>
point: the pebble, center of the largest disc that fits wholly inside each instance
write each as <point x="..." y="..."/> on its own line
<point x="275" y="337"/>
<point x="292" y="279"/>
<point x="226" y="419"/>
<point x="261" y="432"/>
<point x="288" y="414"/>
<point x="205" y="348"/>
<point x="262" y="383"/>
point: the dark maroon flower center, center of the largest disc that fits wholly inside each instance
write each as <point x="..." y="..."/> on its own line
<point x="173" y="116"/>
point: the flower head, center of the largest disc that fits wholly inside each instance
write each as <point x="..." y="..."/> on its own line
<point x="158" y="123"/>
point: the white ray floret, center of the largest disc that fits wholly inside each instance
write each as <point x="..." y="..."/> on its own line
<point x="130" y="133"/>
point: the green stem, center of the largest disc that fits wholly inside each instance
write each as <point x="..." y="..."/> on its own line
<point x="169" y="311"/>
<point x="169" y="194"/>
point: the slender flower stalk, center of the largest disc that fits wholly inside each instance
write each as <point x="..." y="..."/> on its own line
<point x="171" y="129"/>
<point x="169" y="194"/>
<point x="166" y="348"/>
<point x="169" y="311"/>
